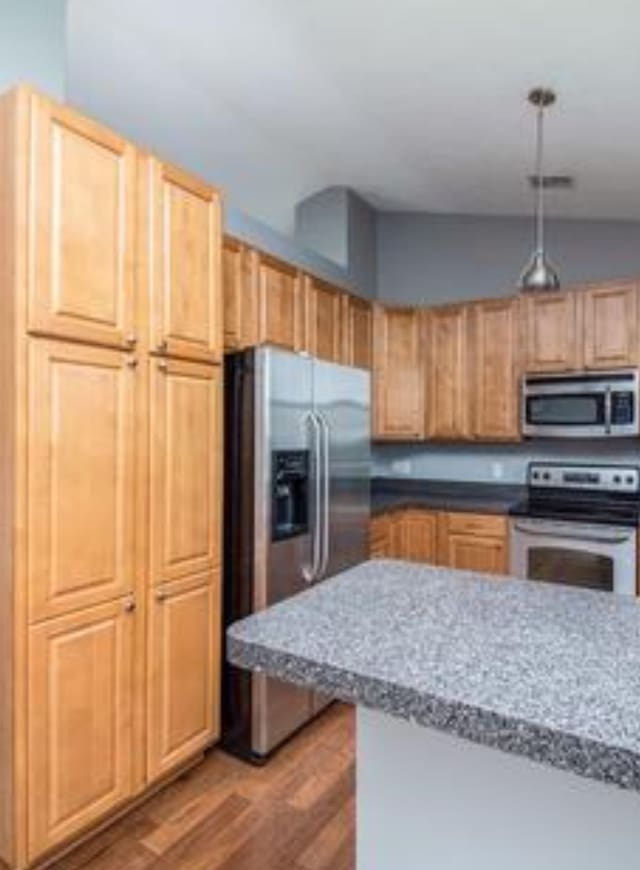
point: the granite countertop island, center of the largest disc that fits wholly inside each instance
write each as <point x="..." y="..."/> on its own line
<point x="526" y="672"/>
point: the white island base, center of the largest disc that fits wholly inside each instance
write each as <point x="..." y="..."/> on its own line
<point x="430" y="801"/>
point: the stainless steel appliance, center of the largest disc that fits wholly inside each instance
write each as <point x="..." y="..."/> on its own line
<point x="297" y="480"/>
<point x="578" y="525"/>
<point x="581" y="405"/>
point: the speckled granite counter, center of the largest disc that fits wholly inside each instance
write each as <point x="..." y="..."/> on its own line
<point x="547" y="672"/>
<point x="391" y="493"/>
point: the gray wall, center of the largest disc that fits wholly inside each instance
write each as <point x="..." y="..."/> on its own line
<point x="255" y="232"/>
<point x="494" y="463"/>
<point x="32" y="44"/>
<point x="439" y="258"/>
<point x="340" y="225"/>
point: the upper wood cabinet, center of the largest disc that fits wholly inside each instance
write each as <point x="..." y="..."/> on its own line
<point x="241" y="327"/>
<point x="184" y="238"/>
<point x="357" y="331"/>
<point x="399" y="372"/>
<point x="324" y="319"/>
<point x="80" y="729"/>
<point x="473" y="542"/>
<point x="551" y="331"/>
<point x="80" y="476"/>
<point x="280" y="294"/>
<point x="185" y="467"/>
<point x="494" y="379"/>
<point x="447" y="384"/>
<point x="611" y="336"/>
<point x="185" y="655"/>
<point x="81" y="224"/>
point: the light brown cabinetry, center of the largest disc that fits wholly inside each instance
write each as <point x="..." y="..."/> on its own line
<point x="185" y="275"/>
<point x="80" y="476"/>
<point x="110" y="493"/>
<point x="473" y="542"/>
<point x="81" y="227"/>
<point x="399" y="373"/>
<point x="241" y="328"/>
<point x="551" y="331"/>
<point x="494" y="377"/>
<point x="357" y="331"/>
<point x="610" y="320"/>
<point x="324" y="319"/>
<point x="447" y="383"/>
<point x="184" y="641"/>
<point x="281" y="303"/>
<point x="80" y="725"/>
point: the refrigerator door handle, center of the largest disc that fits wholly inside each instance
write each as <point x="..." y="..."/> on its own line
<point x="312" y="572"/>
<point x="326" y="466"/>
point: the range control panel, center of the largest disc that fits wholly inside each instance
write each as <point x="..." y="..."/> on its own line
<point x="605" y="478"/>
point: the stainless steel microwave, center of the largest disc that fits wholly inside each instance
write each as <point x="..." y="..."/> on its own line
<point x="583" y="405"/>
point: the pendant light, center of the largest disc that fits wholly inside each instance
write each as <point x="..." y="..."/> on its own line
<point x="539" y="274"/>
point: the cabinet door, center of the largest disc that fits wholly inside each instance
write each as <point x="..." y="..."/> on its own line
<point x="495" y="371"/>
<point x="448" y="395"/>
<point x="379" y="537"/>
<point x="399" y="374"/>
<point x="281" y="303"/>
<point x="324" y="319"/>
<point x="474" y="553"/>
<point x="186" y="280"/>
<point x="80" y="713"/>
<point x="357" y="327"/>
<point x="240" y="296"/>
<point x="80" y="476"/>
<point x="184" y="672"/>
<point x="186" y="450"/>
<point x="417" y="536"/>
<point x="552" y="331"/>
<point x="81" y="224"/>
<point x="610" y="326"/>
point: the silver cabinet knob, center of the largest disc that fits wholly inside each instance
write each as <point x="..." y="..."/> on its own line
<point x="162" y="346"/>
<point x="161" y="593"/>
<point x="132" y="362"/>
<point x="129" y="605"/>
<point x="131" y="340"/>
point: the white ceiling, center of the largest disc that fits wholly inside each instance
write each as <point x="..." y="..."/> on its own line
<point x="418" y="104"/>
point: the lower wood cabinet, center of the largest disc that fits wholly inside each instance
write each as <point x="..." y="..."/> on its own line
<point x="80" y="736"/>
<point x="474" y="542"/>
<point x="184" y="680"/>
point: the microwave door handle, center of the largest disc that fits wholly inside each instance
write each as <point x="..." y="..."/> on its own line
<point x="574" y="536"/>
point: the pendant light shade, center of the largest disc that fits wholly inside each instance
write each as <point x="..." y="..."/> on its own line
<point x="539" y="274"/>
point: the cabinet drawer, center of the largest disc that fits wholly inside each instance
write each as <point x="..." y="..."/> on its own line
<point x="486" y="525"/>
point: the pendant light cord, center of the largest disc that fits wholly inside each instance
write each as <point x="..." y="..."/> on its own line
<point x="540" y="177"/>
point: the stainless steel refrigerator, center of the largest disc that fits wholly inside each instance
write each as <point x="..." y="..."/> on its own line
<point x="297" y="477"/>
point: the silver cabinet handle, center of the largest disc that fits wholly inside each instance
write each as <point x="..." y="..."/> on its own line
<point x="326" y="495"/>
<point x="311" y="573"/>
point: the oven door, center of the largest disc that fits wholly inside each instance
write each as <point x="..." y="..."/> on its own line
<point x="575" y="554"/>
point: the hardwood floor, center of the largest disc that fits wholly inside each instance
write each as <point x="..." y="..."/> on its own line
<point x="297" y="813"/>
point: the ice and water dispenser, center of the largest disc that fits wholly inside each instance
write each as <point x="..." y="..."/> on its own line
<point x="289" y="493"/>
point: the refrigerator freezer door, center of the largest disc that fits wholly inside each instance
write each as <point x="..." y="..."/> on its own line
<point x="342" y="402"/>
<point x="284" y="392"/>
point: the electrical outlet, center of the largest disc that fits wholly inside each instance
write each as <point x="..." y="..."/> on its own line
<point x="497" y="470"/>
<point x="401" y="466"/>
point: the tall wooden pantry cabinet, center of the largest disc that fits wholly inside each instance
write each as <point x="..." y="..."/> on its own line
<point x="110" y="473"/>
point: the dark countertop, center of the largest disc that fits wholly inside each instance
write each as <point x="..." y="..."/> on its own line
<point x="393" y="493"/>
<point x="536" y="669"/>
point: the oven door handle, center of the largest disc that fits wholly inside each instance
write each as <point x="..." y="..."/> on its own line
<point x="614" y="538"/>
<point x="607" y="409"/>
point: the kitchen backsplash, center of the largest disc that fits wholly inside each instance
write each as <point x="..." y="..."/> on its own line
<point x="494" y="463"/>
